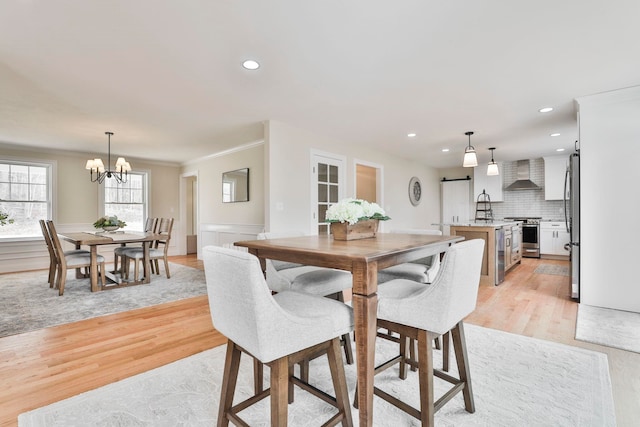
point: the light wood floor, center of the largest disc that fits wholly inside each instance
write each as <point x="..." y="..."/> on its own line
<point x="45" y="366"/>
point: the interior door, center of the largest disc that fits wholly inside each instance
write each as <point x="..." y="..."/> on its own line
<point x="328" y="179"/>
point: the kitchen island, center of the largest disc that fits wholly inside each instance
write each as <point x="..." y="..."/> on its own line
<point x="502" y="249"/>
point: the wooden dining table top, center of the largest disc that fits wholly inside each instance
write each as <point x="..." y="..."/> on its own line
<point x="385" y="250"/>
<point x="91" y="238"/>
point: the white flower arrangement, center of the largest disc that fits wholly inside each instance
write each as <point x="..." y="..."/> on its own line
<point x="353" y="210"/>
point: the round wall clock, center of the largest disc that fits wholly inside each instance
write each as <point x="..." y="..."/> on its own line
<point x="415" y="191"/>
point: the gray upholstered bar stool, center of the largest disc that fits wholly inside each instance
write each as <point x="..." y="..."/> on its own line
<point x="422" y="270"/>
<point x="321" y="281"/>
<point x="277" y="330"/>
<point x="423" y="313"/>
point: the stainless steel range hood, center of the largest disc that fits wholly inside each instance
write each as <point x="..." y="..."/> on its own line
<point x="523" y="182"/>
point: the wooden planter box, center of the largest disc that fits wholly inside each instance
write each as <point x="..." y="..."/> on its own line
<point x="360" y="230"/>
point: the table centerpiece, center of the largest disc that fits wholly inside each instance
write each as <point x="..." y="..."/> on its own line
<point x="109" y="223"/>
<point x="353" y="219"/>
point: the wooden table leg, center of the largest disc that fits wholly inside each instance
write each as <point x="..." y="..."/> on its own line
<point x="365" y="306"/>
<point x="146" y="267"/>
<point x="79" y="274"/>
<point x="93" y="274"/>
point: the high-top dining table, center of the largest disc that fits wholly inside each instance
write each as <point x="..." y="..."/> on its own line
<point x="95" y="239"/>
<point x="363" y="258"/>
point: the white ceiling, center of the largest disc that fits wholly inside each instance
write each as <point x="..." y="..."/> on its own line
<point x="165" y="76"/>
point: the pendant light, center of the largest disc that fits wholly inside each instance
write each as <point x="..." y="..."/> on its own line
<point x="99" y="173"/>
<point x="470" y="159"/>
<point x="492" y="168"/>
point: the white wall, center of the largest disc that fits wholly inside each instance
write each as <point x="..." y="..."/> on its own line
<point x="610" y="149"/>
<point x="224" y="223"/>
<point x="287" y="151"/>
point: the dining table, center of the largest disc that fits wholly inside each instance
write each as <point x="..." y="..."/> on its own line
<point x="363" y="258"/>
<point x="99" y="238"/>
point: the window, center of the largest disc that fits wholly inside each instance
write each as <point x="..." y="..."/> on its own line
<point x="25" y="195"/>
<point x="128" y="201"/>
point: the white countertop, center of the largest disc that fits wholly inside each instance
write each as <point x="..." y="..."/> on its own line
<point x="494" y="224"/>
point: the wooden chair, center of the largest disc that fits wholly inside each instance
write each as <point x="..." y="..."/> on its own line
<point x="277" y="330"/>
<point x="424" y="312"/>
<point x="159" y="250"/>
<point x="53" y="264"/>
<point x="149" y="227"/>
<point x="66" y="262"/>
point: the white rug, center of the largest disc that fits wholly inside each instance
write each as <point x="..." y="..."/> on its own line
<point x="558" y="270"/>
<point x="28" y="304"/>
<point x="517" y="381"/>
<point x="608" y="327"/>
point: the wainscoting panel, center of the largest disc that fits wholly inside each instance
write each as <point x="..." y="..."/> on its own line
<point x="226" y="234"/>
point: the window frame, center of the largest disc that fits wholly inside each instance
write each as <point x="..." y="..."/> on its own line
<point x="52" y="172"/>
<point x="146" y="194"/>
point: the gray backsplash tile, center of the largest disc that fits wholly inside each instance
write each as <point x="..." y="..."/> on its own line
<point x="527" y="202"/>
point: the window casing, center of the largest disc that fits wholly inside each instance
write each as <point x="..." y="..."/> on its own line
<point x="26" y="196"/>
<point x="128" y="201"/>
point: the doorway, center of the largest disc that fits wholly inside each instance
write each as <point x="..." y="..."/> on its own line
<point x="189" y="211"/>
<point x="369" y="181"/>
<point x="327" y="187"/>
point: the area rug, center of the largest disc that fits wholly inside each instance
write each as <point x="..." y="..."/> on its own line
<point x="608" y="327"/>
<point x="29" y="304"/>
<point x="516" y="381"/>
<point x="559" y="270"/>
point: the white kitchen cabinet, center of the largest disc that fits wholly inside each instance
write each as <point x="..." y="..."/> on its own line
<point x="492" y="185"/>
<point x="553" y="237"/>
<point x="455" y="203"/>
<point x="555" y="169"/>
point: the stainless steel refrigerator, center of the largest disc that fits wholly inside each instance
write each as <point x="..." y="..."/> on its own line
<point x="572" y="219"/>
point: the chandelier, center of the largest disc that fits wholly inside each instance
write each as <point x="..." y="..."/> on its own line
<point x="470" y="160"/>
<point x="492" y="167"/>
<point x="99" y="173"/>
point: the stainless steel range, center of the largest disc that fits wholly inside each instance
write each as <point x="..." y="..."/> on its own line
<point x="530" y="235"/>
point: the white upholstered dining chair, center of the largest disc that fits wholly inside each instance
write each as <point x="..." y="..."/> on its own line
<point x="277" y="330"/>
<point x="423" y="313"/>
<point x="422" y="270"/>
<point x="313" y="280"/>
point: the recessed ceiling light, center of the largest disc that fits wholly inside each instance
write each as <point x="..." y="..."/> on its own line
<point x="445" y="150"/>
<point x="250" y="64"/>
<point x="559" y="149"/>
<point x="555" y="134"/>
<point x="411" y="135"/>
<point x="546" y="109"/>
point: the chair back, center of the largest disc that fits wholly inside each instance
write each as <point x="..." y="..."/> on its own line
<point x="150" y="224"/>
<point x="164" y="227"/>
<point x="240" y="302"/>
<point x="56" y="245"/>
<point x="432" y="262"/>
<point x="454" y="292"/>
<point x="278" y="265"/>
<point x="449" y="299"/>
<point x="47" y="239"/>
